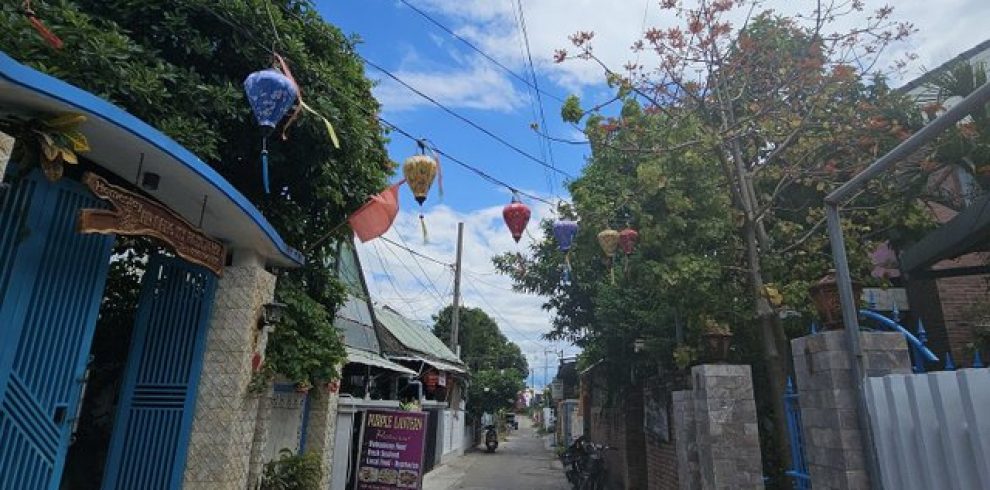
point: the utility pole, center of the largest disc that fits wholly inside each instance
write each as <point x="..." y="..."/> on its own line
<point x="455" y="315"/>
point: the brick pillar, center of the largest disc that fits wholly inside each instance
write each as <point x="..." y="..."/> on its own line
<point x="321" y="430"/>
<point x="726" y="429"/>
<point x="223" y="429"/>
<point x="833" y="444"/>
<point x="685" y="443"/>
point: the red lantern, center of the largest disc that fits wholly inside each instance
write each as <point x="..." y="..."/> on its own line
<point x="627" y="240"/>
<point x="516" y="216"/>
<point x="430" y="380"/>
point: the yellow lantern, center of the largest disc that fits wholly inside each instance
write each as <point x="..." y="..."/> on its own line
<point x="608" y="239"/>
<point x="420" y="171"/>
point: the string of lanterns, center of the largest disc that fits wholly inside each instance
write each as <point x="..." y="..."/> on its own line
<point x="273" y="92"/>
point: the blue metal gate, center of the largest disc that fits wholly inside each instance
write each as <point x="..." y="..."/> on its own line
<point x="154" y="416"/>
<point x="51" y="284"/>
<point x="799" y="467"/>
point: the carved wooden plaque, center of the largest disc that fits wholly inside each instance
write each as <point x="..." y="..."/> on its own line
<point x="134" y="214"/>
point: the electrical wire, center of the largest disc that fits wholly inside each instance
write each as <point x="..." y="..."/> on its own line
<point x="463" y="118"/>
<point x="420" y="266"/>
<point x="388" y="276"/>
<point x="392" y="126"/>
<point x="536" y="86"/>
<point x="479" y="51"/>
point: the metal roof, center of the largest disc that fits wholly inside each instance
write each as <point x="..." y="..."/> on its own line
<point x="119" y="141"/>
<point x="414" y="336"/>
<point x="359" y="356"/>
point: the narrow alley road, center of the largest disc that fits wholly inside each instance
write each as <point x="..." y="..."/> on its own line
<point x="519" y="463"/>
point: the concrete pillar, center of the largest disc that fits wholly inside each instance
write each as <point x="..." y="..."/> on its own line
<point x="833" y="445"/>
<point x="685" y="443"/>
<point x="223" y="430"/>
<point x="726" y="429"/>
<point x="321" y="430"/>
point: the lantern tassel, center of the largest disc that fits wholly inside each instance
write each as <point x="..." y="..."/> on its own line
<point x="422" y="225"/>
<point x="264" y="162"/>
<point x="264" y="169"/>
<point x="611" y="270"/>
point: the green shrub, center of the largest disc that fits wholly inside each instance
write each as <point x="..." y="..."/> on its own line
<point x="293" y="472"/>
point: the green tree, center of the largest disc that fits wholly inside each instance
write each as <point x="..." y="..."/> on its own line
<point x="483" y="345"/>
<point x="179" y="65"/>
<point x="770" y="117"/>
<point x="498" y="367"/>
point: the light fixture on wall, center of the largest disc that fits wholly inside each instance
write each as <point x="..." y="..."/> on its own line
<point x="639" y="344"/>
<point x="150" y="180"/>
<point x="272" y="314"/>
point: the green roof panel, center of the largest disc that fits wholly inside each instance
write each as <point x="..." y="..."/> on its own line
<point x="413" y="335"/>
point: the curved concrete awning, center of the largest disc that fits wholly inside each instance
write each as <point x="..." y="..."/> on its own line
<point x="118" y="140"/>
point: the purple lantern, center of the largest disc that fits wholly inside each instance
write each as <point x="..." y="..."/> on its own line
<point x="564" y="231"/>
<point x="271" y="95"/>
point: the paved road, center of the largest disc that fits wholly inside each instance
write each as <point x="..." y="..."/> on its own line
<point x="521" y="463"/>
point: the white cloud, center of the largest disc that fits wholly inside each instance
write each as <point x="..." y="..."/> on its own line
<point x="945" y="30"/>
<point x="396" y="278"/>
<point x="472" y="84"/>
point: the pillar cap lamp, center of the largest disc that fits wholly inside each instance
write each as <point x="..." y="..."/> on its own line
<point x="639" y="345"/>
<point x="272" y="313"/>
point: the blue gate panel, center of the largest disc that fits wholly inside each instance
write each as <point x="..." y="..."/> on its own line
<point x="151" y="431"/>
<point x="51" y="281"/>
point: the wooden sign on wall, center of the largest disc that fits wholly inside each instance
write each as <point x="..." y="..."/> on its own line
<point x="134" y="214"/>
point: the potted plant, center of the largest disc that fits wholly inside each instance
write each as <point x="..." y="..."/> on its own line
<point x="717" y="340"/>
<point x="825" y="296"/>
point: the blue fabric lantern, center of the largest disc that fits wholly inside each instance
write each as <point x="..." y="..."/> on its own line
<point x="271" y="95"/>
<point x="564" y="231"/>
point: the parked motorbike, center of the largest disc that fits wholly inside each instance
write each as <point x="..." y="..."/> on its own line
<point x="491" y="438"/>
<point x="584" y="462"/>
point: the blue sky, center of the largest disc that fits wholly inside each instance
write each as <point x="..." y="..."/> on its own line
<point x="403" y="42"/>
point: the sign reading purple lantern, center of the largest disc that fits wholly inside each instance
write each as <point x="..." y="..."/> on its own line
<point x="564" y="232"/>
<point x="271" y="95"/>
<point x="392" y="444"/>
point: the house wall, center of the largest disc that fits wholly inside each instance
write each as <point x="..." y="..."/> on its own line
<point x="220" y="446"/>
<point x="617" y="422"/>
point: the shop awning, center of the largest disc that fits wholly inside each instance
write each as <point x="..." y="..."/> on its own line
<point x="441" y="365"/>
<point x="358" y="356"/>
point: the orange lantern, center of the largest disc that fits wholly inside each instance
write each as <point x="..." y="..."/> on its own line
<point x="608" y="239"/>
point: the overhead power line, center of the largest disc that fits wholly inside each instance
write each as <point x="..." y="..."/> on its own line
<point x="481" y="52"/>
<point x="466" y="120"/>
<point x="374" y="114"/>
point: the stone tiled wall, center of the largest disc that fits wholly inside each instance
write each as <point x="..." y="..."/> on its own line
<point x="828" y="400"/>
<point x="322" y="429"/>
<point x="223" y="428"/>
<point x="686" y="446"/>
<point x="726" y="430"/>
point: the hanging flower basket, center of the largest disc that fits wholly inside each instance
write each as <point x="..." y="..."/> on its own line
<point x="825" y="296"/>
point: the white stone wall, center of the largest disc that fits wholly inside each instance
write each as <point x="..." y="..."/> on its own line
<point x="223" y="430"/>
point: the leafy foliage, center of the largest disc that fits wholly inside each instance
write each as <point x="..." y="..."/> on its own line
<point x="721" y="156"/>
<point x="498" y="366"/>
<point x="179" y="66"/>
<point x="293" y="472"/>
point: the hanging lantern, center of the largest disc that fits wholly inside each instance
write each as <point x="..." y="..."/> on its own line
<point x="420" y="171"/>
<point x="271" y="95"/>
<point x="564" y="231"/>
<point x="516" y="216"/>
<point x="608" y="239"/>
<point x="627" y="240"/>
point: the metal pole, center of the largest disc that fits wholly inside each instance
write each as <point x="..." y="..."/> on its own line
<point x="973" y="101"/>
<point x="850" y="318"/>
<point x="850" y="314"/>
<point x="455" y="314"/>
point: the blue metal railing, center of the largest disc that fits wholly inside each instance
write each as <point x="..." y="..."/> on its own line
<point x="921" y="351"/>
<point x="799" y="467"/>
